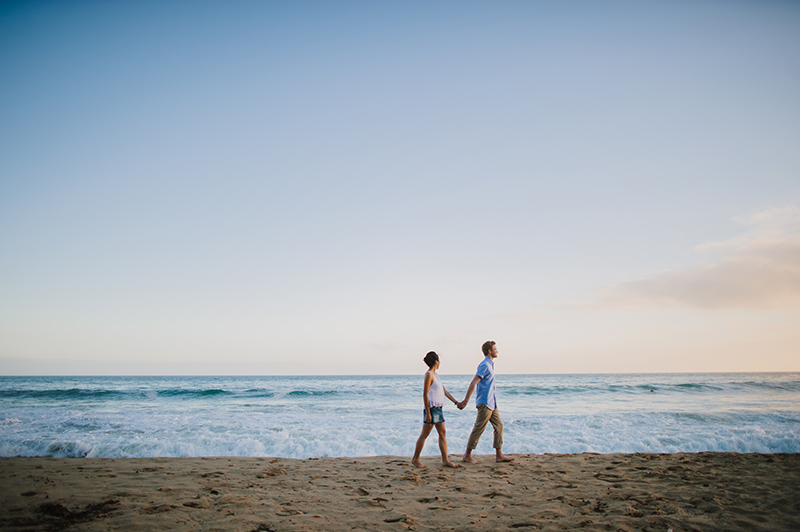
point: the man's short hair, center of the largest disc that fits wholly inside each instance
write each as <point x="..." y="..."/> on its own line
<point x="487" y="347"/>
<point x="431" y="358"/>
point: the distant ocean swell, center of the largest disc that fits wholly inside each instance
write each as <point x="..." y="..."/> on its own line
<point x="76" y="393"/>
<point x="644" y="388"/>
<point x="81" y="393"/>
<point x="303" y="417"/>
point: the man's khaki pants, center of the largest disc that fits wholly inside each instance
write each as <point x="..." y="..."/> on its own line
<point x="485" y="415"/>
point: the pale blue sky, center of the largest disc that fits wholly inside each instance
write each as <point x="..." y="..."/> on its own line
<point x="339" y="187"/>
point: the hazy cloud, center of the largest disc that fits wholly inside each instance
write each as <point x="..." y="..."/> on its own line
<point x="526" y="315"/>
<point x="758" y="269"/>
<point x="388" y="346"/>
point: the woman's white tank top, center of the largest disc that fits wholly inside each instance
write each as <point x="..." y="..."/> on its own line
<point x="436" y="392"/>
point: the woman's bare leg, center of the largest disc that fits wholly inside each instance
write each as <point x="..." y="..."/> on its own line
<point x="443" y="445"/>
<point x="426" y="429"/>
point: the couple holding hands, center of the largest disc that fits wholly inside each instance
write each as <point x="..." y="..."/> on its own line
<point x="434" y="393"/>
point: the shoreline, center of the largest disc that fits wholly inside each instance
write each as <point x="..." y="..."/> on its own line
<point x="636" y="491"/>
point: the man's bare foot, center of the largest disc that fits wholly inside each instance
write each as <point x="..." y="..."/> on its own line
<point x="469" y="459"/>
<point x="450" y="464"/>
<point x="502" y="458"/>
<point x="419" y="464"/>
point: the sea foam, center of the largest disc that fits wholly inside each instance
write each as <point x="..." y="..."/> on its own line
<point x="302" y="417"/>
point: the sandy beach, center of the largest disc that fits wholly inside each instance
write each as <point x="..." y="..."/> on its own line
<point x="642" y="492"/>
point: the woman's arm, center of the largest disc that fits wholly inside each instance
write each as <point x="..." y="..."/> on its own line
<point x="425" y="388"/>
<point x="447" y="394"/>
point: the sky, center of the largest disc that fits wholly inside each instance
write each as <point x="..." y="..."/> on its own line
<point x="313" y="187"/>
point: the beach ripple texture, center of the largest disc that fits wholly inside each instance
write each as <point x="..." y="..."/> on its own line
<point x="303" y="417"/>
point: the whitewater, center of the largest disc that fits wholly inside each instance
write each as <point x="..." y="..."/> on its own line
<point x="303" y="417"/>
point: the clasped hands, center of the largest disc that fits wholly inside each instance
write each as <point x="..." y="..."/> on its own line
<point x="461" y="405"/>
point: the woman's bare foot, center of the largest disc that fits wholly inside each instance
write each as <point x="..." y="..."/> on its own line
<point x="419" y="464"/>
<point x="450" y="464"/>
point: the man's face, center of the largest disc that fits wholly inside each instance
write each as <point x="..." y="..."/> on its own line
<point x="493" y="352"/>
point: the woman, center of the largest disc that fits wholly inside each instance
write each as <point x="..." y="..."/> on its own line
<point x="433" y="394"/>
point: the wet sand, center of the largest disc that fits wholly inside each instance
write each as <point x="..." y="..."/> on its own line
<point x="628" y="492"/>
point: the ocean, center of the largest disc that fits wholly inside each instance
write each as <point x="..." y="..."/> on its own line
<point x="303" y="417"/>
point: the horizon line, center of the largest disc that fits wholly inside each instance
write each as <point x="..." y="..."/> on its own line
<point x="401" y="374"/>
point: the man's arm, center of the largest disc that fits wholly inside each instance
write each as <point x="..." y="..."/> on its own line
<point x="475" y="380"/>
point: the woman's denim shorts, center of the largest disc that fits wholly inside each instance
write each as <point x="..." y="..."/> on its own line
<point x="437" y="416"/>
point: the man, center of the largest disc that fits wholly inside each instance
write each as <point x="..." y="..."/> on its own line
<point x="486" y="404"/>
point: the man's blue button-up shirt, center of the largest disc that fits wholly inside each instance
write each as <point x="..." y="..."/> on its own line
<point x="486" y="384"/>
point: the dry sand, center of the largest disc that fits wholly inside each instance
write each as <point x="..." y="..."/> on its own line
<point x="643" y="492"/>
